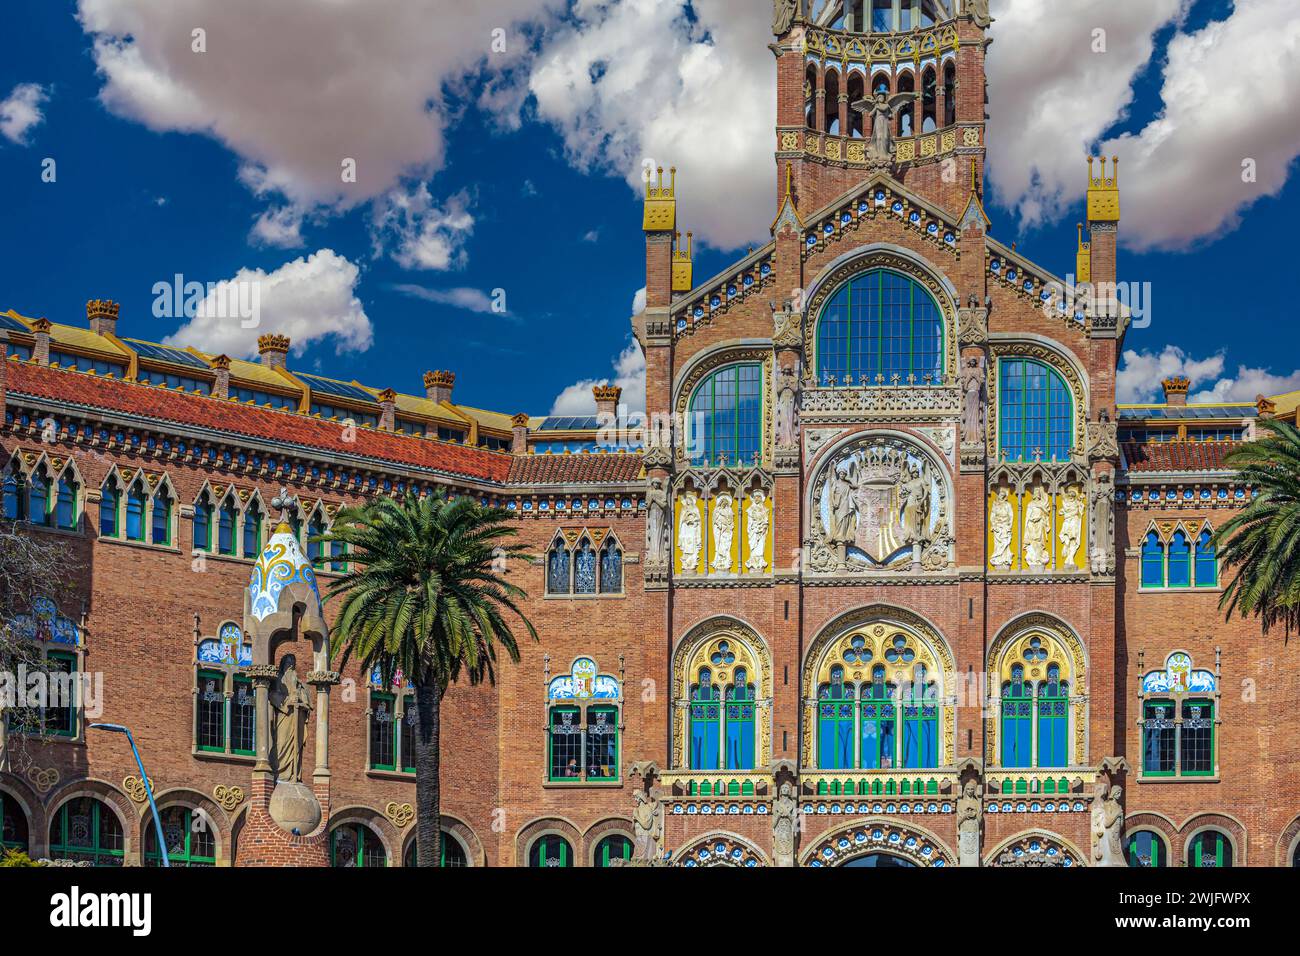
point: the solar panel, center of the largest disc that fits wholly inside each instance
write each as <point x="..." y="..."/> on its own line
<point x="325" y="386"/>
<point x="164" y="354"/>
<point x="12" y="325"/>
<point x="569" y="423"/>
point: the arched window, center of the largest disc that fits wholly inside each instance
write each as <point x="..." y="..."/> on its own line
<point x="1035" y="412"/>
<point x="857" y="91"/>
<point x="1207" y="561"/>
<point x="920" y="723"/>
<point x="949" y="93"/>
<point x="907" y="113"/>
<point x="453" y="854"/>
<point x="929" y="101"/>
<point x="831" y="124"/>
<point x="584" y="568"/>
<point x="110" y="509"/>
<point x="1017" y="720"/>
<point x="1153" y="561"/>
<point x="162" y="517"/>
<point x="252" y="530"/>
<point x="227" y="520"/>
<point x="557" y="569"/>
<point x="203" y="523"/>
<point x="611" y="848"/>
<point x="836" y="701"/>
<point x="87" y="831"/>
<point x="611" y="567"/>
<point x="13" y="500"/>
<point x="66" y="507"/>
<point x="879" y="714"/>
<point x="1053" y="719"/>
<point x="550" y="851"/>
<point x="810" y="97"/>
<point x="1209" y="848"/>
<point x="1146" y="849"/>
<point x="38" y="497"/>
<point x="355" y="844"/>
<point x="1035" y="716"/>
<point x="740" y="722"/>
<point x="315" y="552"/>
<point x="1180" y="560"/>
<point x="706" y="719"/>
<point x="190" y="841"/>
<point x="13" y="825"/>
<point x="137" y="500"/>
<point x="726" y="416"/>
<point x="880" y="328"/>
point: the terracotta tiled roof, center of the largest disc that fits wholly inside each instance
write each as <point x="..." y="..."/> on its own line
<point x="1178" y="455"/>
<point x="583" y="468"/>
<point x="150" y="402"/>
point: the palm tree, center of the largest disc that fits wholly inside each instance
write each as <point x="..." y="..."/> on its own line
<point x="424" y="594"/>
<point x="1262" y="542"/>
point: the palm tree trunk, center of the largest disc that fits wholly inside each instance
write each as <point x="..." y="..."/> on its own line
<point x="428" y="796"/>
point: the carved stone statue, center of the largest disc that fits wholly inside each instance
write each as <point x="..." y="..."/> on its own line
<point x="1002" y="519"/>
<point x="783" y="12"/>
<point x="756" y="525"/>
<point x="724" y="532"/>
<point x="647" y="826"/>
<point x="970" y="816"/>
<point x="878" y="116"/>
<point x="656" y="521"/>
<point x="1101" y="532"/>
<point x="916" y="506"/>
<point x="1071" y="537"/>
<point x="1038" y="529"/>
<point x="785" y="824"/>
<point x="290" y="704"/>
<point x="1107" y="825"/>
<point x="690" y="538"/>
<point x="979" y="12"/>
<point x="975" y="406"/>
<point x="787" y="396"/>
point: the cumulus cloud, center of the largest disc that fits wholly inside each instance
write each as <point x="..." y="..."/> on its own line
<point x="630" y="81"/>
<point x="280" y="227"/>
<point x="1247" y="384"/>
<point x="629" y="374"/>
<point x="418" y="233"/>
<point x="1141" y="373"/>
<point x="310" y="299"/>
<point x="21" y="111"/>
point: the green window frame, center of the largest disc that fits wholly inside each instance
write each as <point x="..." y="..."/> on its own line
<point x="67" y="513"/>
<point x="878" y="325"/>
<point x="613" y="847"/>
<point x="1209" y="849"/>
<point x="1159" y="738"/>
<point x="406" y="734"/>
<point x="1035" y="412"/>
<point x="93" y="835"/>
<point x="210" y="712"/>
<point x="1017" y="706"/>
<point x="1052" y="706"/>
<point x="383" y="735"/>
<point x="836" y="726"/>
<point x="602" y="742"/>
<point x="40" y="498"/>
<point x="366" y="849"/>
<point x="188" y="845"/>
<point x="250" y="532"/>
<point x="243" y="718"/>
<point x="1146" y="849"/>
<point x="564" y="744"/>
<point x="878" y="722"/>
<point x="1206" y="561"/>
<point x="726" y="416"/>
<point x="452" y="852"/>
<point x="62" y="721"/>
<point x="1196" y="738"/>
<point x="550" y="851"/>
<point x="202" y="524"/>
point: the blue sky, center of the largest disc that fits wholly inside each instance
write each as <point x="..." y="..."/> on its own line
<point x="139" y="197"/>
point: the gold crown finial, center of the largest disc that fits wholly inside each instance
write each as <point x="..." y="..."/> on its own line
<point x="660" y="202"/>
<point x="102" y="309"/>
<point x="683" y="266"/>
<point x="439" y="379"/>
<point x="1103" y="191"/>
<point x="272" y="343"/>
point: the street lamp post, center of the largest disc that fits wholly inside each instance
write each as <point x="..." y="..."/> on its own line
<point x="148" y="787"/>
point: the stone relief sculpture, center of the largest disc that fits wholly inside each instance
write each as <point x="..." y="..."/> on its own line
<point x="979" y="12"/>
<point x="974" y="402"/>
<point x="878" y="116"/>
<point x="1101" y="534"/>
<point x="970" y="810"/>
<point x="290" y="706"/>
<point x="1107" y="825"/>
<point x="647" y="825"/>
<point x="690" y="538"/>
<point x="1038" y="529"/>
<point x="724" y="532"/>
<point x="1002" y="519"/>
<point x="877" y="505"/>
<point x="785" y="817"/>
<point x="1072" y="510"/>
<point x="656" y="522"/>
<point x="787" y="400"/>
<point x="756" y="526"/>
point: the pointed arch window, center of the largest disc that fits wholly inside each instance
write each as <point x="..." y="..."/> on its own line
<point x="315" y="552"/>
<point x="611" y="567"/>
<point x="161" y="520"/>
<point x="202" y="525"/>
<point x="137" y="503"/>
<point x="880" y="328"/>
<point x="252" y="530"/>
<point x="38" y="497"/>
<point x="706" y="721"/>
<point x="1153" y="561"/>
<point x="227" y="521"/>
<point x="65" y="508"/>
<point x="584" y="568"/>
<point x="1035" y="412"/>
<point x="110" y="509"/>
<point x="1035" y="713"/>
<point x="12" y="495"/>
<point x="1207" y="561"/>
<point x="557" y="569"/>
<point x="1180" y="560"/>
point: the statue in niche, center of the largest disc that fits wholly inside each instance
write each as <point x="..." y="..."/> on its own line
<point x="843" y="517"/>
<point x="970" y="809"/>
<point x="783" y="12"/>
<point x="724" y="532"/>
<point x="1107" y="825"/>
<point x="916" y="505"/>
<point x="878" y="116"/>
<point x="647" y="825"/>
<point x="787" y="397"/>
<point x="656" y="522"/>
<point x="290" y="705"/>
<point x="785" y="824"/>
<point x="1002" y="519"/>
<point x="975" y="407"/>
<point x="756" y="525"/>
<point x="1038" y="529"/>
<point x="1102" y="532"/>
<point x="1071" y="537"/>
<point x="690" y="538"/>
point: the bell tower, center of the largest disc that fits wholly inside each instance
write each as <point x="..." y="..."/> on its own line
<point x="871" y="86"/>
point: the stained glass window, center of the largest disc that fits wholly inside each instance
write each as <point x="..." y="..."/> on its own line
<point x="1153" y="561"/>
<point x="835" y="706"/>
<point x="1159" y="737"/>
<point x="13" y="824"/>
<point x="557" y="570"/>
<point x="880" y="328"/>
<point x="86" y="830"/>
<point x="705" y="720"/>
<point x="617" y="847"/>
<point x="879" y="713"/>
<point x="1197" y="743"/>
<point x="740" y="722"/>
<point x="921" y="723"/>
<point x="725" y="419"/>
<point x="1146" y="849"/>
<point x="356" y="845"/>
<point x="136" y="501"/>
<point x="550" y="851"/>
<point x="242" y="714"/>
<point x="109" y="504"/>
<point x="211" y="724"/>
<point x="565" y="743"/>
<point x="611" y="568"/>
<point x="1053" y="719"/>
<point x="1180" y="561"/>
<point x="383" y="742"/>
<point x="61" y="709"/>
<point x="38" y="498"/>
<point x="190" y="841"/>
<point x="1207" y="561"/>
<point x="1035" y="412"/>
<point x="1209" y="848"/>
<point x="602" y="743"/>
<point x="584" y="569"/>
<point x="226" y="528"/>
<point x="1017" y="720"/>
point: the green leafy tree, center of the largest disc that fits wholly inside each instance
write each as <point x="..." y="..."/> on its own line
<point x="1261" y="544"/>
<point x="426" y="595"/>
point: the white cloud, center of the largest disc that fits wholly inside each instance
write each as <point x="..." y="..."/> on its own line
<point x="471" y="300"/>
<point x="417" y="233"/>
<point x="631" y="80"/>
<point x="20" y="111"/>
<point x="280" y="227"/>
<point x="1247" y="384"/>
<point x="309" y="299"/>
<point x="1141" y="374"/>
<point x="629" y="374"/>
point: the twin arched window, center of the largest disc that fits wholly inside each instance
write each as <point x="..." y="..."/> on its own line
<point x="580" y="569"/>
<point x="722" y="719"/>
<point x="880" y="328"/>
<point x="1035" y="412"/>
<point x="1035" y="709"/>
<point x="1180" y="564"/>
<point x="136" y="514"/>
<point x="725" y="418"/>
<point x="40" y="499"/>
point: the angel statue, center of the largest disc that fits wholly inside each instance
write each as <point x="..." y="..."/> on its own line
<point x="880" y="111"/>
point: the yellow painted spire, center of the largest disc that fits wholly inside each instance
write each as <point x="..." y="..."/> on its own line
<point x="789" y="210"/>
<point x="1083" y="259"/>
<point x="683" y="267"/>
<point x="974" y="205"/>
<point x="1103" y="192"/>
<point x="660" y="202"/>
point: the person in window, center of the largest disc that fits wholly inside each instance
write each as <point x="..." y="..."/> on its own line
<point x="571" y="768"/>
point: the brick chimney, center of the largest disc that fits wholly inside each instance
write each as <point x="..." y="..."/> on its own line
<point x="274" y="350"/>
<point x="41" y="350"/>
<point x="519" y="434"/>
<point x="4" y="370"/>
<point x="438" y="386"/>
<point x="1176" y="389"/>
<point x="388" y="410"/>
<point x="102" y="315"/>
<point x="607" y="397"/>
<point x="221" y="387"/>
